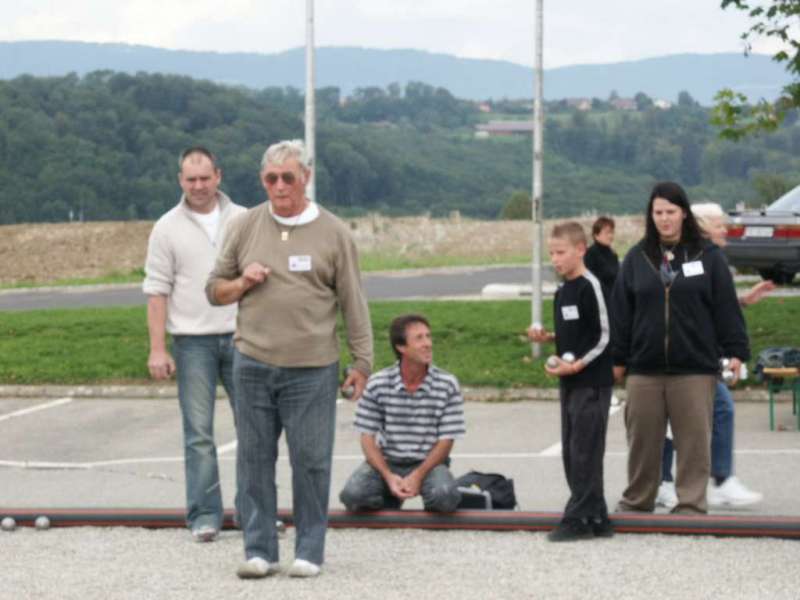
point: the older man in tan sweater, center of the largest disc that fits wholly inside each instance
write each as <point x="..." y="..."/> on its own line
<point x="291" y="265"/>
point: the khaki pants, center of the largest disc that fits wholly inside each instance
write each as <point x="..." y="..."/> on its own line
<point x="687" y="401"/>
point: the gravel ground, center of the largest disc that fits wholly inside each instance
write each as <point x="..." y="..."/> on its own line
<point x="120" y="563"/>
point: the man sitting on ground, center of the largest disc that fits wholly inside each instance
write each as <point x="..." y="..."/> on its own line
<point x="409" y="416"/>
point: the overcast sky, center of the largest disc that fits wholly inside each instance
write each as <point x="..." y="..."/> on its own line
<point x="576" y="31"/>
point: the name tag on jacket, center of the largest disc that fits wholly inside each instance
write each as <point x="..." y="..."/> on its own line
<point x="570" y="313"/>
<point x="692" y="269"/>
<point x="299" y="263"/>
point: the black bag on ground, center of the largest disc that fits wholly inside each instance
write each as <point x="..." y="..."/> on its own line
<point x="500" y="489"/>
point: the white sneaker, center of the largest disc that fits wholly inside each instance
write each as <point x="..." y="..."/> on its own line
<point x="666" y="495"/>
<point x="303" y="568"/>
<point x="256" y="568"/>
<point x="204" y="533"/>
<point x="732" y="493"/>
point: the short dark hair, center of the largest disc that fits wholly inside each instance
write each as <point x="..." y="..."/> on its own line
<point x="203" y="151"/>
<point x="397" y="330"/>
<point x="601" y="223"/>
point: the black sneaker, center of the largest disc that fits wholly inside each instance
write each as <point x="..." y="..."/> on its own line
<point x="571" y="531"/>
<point x="602" y="528"/>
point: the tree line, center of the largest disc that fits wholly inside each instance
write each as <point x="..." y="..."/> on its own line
<point x="105" y="146"/>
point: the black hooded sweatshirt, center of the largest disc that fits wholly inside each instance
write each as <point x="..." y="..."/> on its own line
<point x="682" y="328"/>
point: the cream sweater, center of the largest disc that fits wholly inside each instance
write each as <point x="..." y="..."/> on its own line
<point x="290" y="319"/>
<point x="180" y="256"/>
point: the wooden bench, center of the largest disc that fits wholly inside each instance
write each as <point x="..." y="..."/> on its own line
<point x="779" y="379"/>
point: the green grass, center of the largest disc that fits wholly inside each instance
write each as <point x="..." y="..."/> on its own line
<point x="134" y="276"/>
<point x="483" y="343"/>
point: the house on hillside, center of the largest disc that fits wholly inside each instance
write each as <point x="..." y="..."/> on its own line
<point x="503" y="128"/>
<point x="662" y="104"/>
<point x="623" y="103"/>
<point x="582" y="104"/>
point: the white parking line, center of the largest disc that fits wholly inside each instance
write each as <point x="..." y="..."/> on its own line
<point x="555" y="449"/>
<point x="46" y="465"/>
<point x="33" y="409"/>
<point x="225" y="448"/>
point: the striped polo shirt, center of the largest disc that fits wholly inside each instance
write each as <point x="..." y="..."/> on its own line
<point x="408" y="425"/>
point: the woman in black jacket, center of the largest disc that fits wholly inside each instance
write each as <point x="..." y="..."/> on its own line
<point x="675" y="313"/>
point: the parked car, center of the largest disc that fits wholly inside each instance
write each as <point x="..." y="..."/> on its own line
<point x="767" y="240"/>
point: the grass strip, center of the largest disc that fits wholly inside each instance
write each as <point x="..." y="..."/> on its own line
<point x="483" y="343"/>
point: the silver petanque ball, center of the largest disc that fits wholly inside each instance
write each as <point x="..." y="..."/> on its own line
<point x="568" y="357"/>
<point x="8" y="524"/>
<point x="552" y="362"/>
<point x="41" y="523"/>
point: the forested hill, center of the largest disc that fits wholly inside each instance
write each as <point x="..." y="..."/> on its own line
<point x="105" y="146"/>
<point x="350" y="68"/>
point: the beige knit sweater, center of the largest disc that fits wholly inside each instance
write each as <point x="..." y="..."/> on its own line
<point x="290" y="319"/>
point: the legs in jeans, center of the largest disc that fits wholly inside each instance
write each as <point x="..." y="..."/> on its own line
<point x="366" y="490"/>
<point x="666" y="460"/>
<point x="722" y="434"/>
<point x="303" y="402"/>
<point x="584" y="421"/>
<point x="721" y="438"/>
<point x="200" y="359"/>
<point x="687" y="401"/>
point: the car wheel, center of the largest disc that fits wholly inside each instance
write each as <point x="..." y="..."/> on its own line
<point x="776" y="275"/>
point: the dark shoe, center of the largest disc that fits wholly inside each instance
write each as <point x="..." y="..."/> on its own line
<point x="602" y="528"/>
<point x="571" y="531"/>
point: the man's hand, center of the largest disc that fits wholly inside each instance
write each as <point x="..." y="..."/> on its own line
<point x="619" y="374"/>
<point x="253" y="274"/>
<point x="397" y="486"/>
<point x="357" y="381"/>
<point x="160" y="364"/>
<point x="412" y="483"/>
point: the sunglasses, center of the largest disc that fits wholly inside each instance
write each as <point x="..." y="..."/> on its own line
<point x="288" y="178"/>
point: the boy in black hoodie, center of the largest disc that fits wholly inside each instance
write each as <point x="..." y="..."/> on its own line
<point x="582" y="330"/>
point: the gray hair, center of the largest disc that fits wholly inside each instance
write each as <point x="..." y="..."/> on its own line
<point x="705" y="212"/>
<point x="280" y="152"/>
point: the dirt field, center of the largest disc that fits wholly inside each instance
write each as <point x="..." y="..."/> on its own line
<point x="47" y="252"/>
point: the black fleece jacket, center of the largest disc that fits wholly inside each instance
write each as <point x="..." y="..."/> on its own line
<point x="603" y="262"/>
<point x="681" y="329"/>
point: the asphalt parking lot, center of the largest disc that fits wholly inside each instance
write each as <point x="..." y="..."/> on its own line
<point x="69" y="452"/>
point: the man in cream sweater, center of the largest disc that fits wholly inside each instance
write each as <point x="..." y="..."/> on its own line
<point x="183" y="246"/>
<point x="291" y="265"/>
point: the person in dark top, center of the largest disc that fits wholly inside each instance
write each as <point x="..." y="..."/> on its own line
<point x="600" y="258"/>
<point x="674" y="314"/>
<point x="582" y="330"/>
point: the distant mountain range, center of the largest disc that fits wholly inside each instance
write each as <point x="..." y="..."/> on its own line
<point x="349" y="68"/>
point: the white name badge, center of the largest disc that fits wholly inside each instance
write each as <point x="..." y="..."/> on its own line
<point x="570" y="313"/>
<point x="692" y="269"/>
<point x="300" y="263"/>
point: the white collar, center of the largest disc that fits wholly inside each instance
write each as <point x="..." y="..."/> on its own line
<point x="310" y="213"/>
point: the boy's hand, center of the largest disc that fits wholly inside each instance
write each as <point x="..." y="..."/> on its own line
<point x="540" y="335"/>
<point x="564" y="368"/>
<point x="619" y="374"/>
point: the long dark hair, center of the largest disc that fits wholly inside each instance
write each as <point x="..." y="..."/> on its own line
<point x="691" y="235"/>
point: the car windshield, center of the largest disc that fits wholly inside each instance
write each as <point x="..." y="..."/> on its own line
<point x="790" y="201"/>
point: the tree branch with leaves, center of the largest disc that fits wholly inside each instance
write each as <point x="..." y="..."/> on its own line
<point x="778" y="20"/>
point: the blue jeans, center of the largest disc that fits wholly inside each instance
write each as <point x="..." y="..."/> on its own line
<point x="201" y="360"/>
<point x="301" y="400"/>
<point x="366" y="489"/>
<point x="721" y="438"/>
